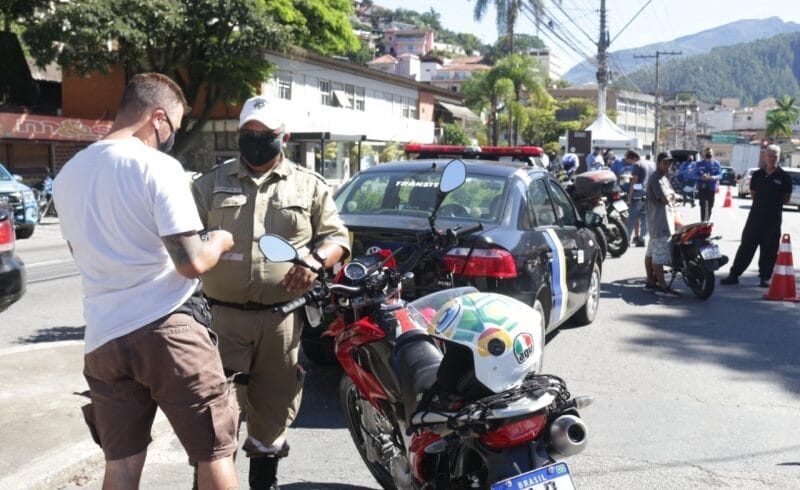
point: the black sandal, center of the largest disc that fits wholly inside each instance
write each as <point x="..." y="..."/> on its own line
<point x="668" y="290"/>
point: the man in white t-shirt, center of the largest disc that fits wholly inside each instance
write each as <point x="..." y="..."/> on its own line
<point x="127" y="213"/>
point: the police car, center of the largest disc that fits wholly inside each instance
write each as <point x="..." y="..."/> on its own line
<point x="533" y="245"/>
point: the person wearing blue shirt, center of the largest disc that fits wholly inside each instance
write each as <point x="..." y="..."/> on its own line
<point x="708" y="175"/>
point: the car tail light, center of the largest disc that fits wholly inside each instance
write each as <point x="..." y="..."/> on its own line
<point x="6" y="235"/>
<point x="479" y="262"/>
<point x="515" y="433"/>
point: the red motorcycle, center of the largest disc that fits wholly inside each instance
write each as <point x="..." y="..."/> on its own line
<point x="444" y="392"/>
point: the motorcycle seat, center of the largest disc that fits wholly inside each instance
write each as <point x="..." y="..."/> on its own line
<point x="416" y="362"/>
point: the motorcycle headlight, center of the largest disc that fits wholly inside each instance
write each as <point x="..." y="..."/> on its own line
<point x="15" y="195"/>
<point x="28" y="196"/>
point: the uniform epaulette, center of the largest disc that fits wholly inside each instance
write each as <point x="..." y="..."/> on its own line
<point x="310" y="171"/>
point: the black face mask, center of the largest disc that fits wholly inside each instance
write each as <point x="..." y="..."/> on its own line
<point x="166" y="146"/>
<point x="259" y="148"/>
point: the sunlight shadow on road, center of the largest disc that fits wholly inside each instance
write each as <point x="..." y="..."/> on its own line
<point x="734" y="328"/>
<point x="53" y="334"/>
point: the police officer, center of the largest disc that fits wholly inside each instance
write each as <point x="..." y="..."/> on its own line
<point x="771" y="188"/>
<point x="263" y="192"/>
<point x="708" y="173"/>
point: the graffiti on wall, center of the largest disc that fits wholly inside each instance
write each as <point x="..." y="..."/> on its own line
<point x="35" y="127"/>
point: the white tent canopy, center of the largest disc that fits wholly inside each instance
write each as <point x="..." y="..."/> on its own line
<point x="606" y="134"/>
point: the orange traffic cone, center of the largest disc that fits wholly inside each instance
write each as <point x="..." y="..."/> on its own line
<point x="728" y="200"/>
<point x="782" y="287"/>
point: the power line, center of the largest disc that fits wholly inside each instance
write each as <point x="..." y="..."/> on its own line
<point x="551" y="33"/>
<point x="564" y="38"/>
<point x="657" y="55"/>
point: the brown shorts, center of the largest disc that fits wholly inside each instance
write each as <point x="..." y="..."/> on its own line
<point x="172" y="364"/>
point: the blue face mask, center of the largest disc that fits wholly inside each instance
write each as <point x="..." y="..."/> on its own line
<point x="259" y="148"/>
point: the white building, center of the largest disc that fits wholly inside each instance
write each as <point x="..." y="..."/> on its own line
<point x="327" y="103"/>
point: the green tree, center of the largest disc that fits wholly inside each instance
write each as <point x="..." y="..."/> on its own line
<point x="453" y="134"/>
<point x="781" y="120"/>
<point x="508" y="12"/>
<point x="213" y="49"/>
<point x="12" y="11"/>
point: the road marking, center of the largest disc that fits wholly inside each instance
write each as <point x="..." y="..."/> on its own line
<point x="34" y="265"/>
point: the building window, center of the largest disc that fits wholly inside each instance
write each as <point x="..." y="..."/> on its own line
<point x="409" y="108"/>
<point x="361" y="97"/>
<point x="325" y="92"/>
<point x="283" y="82"/>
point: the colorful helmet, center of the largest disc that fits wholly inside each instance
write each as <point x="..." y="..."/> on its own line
<point x="503" y="335"/>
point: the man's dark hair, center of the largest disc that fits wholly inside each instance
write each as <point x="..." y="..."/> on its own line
<point x="146" y="92"/>
<point x="632" y="155"/>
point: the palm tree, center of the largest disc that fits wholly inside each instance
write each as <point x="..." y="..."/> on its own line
<point x="508" y="12"/>
<point x="781" y="120"/>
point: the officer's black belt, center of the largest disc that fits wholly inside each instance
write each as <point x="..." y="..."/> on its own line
<point x="249" y="306"/>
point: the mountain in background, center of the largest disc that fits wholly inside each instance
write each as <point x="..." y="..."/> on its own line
<point x="750" y="71"/>
<point x="623" y="62"/>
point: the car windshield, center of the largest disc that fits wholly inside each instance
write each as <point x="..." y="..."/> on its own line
<point x="795" y="177"/>
<point x="414" y="193"/>
<point x="4" y="175"/>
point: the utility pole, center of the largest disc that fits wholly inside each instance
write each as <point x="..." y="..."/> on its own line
<point x="658" y="103"/>
<point x="603" y="74"/>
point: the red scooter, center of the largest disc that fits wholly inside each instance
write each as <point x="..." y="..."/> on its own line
<point x="444" y="392"/>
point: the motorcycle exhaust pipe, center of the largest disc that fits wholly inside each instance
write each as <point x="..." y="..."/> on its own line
<point x="568" y="435"/>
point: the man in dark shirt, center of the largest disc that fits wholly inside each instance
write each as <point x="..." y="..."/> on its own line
<point x="771" y="188"/>
<point x="640" y="174"/>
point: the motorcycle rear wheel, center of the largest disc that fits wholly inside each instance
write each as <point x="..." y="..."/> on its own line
<point x="349" y="396"/>
<point x="701" y="281"/>
<point x="617" y="237"/>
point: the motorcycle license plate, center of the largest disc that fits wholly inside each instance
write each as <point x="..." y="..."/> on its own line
<point x="710" y="252"/>
<point x="620" y="206"/>
<point x="555" y="476"/>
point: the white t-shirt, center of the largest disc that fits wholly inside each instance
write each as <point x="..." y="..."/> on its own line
<point x="115" y="201"/>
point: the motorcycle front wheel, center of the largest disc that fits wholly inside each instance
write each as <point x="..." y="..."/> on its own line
<point x="701" y="281"/>
<point x="353" y="408"/>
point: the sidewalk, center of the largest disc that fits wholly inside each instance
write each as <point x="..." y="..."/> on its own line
<point x="44" y="441"/>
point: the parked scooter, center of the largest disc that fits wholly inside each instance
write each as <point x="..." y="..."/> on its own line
<point x="444" y="392"/>
<point x="597" y="191"/>
<point x="695" y="258"/>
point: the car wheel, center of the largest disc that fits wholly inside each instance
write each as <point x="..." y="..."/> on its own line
<point x="24" y="232"/>
<point x="588" y="311"/>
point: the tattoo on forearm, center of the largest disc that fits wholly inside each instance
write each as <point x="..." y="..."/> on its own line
<point x="182" y="248"/>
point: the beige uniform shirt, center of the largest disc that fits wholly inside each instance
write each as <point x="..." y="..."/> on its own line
<point x="290" y="201"/>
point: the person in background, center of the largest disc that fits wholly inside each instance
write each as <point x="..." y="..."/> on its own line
<point x="637" y="216"/>
<point x="770" y="188"/>
<point x="127" y="214"/>
<point x="708" y="173"/>
<point x="594" y="160"/>
<point x="661" y="223"/>
<point x="261" y="192"/>
<point x="570" y="163"/>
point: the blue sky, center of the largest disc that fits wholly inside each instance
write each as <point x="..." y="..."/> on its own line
<point x="660" y="20"/>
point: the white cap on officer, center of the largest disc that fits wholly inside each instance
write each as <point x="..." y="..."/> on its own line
<point x="258" y="109"/>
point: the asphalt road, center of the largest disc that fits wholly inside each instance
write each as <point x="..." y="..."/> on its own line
<point x="688" y="393"/>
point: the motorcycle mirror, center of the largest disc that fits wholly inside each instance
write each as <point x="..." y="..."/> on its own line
<point x="453" y="176"/>
<point x="276" y="249"/>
